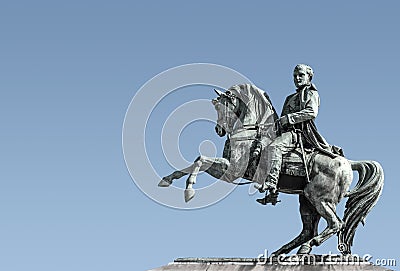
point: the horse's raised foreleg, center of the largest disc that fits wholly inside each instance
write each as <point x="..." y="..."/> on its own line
<point x="177" y="174"/>
<point x="189" y="191"/>
<point x="216" y="167"/>
<point x="310" y="219"/>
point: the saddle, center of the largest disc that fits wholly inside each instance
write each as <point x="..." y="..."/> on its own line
<point x="292" y="163"/>
<point x="292" y="179"/>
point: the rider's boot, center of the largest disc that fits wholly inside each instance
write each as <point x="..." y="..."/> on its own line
<point x="271" y="184"/>
<point x="269" y="198"/>
<point x="273" y="176"/>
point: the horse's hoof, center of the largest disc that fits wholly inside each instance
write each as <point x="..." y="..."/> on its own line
<point x="164" y="182"/>
<point x="189" y="194"/>
<point x="304" y="249"/>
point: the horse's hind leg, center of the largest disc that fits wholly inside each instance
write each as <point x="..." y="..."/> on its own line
<point x="328" y="211"/>
<point x="310" y="219"/>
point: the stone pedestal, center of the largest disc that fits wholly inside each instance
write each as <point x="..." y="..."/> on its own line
<point x="288" y="263"/>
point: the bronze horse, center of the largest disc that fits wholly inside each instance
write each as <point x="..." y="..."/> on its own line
<point x="244" y="114"/>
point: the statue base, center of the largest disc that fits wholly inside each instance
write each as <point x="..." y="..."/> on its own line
<point x="295" y="262"/>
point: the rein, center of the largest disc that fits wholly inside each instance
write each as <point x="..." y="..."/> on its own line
<point x="259" y="128"/>
<point x="245" y="183"/>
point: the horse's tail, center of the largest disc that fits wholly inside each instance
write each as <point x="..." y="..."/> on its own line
<point x="362" y="198"/>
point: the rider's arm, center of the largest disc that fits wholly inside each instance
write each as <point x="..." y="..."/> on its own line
<point x="285" y="108"/>
<point x="309" y="111"/>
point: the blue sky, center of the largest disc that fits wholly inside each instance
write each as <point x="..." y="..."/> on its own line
<point x="69" y="71"/>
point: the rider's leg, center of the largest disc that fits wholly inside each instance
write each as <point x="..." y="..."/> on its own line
<point x="280" y="146"/>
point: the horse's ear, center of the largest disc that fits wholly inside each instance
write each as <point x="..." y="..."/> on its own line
<point x="219" y="93"/>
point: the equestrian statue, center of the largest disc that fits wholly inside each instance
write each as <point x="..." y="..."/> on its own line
<point x="287" y="154"/>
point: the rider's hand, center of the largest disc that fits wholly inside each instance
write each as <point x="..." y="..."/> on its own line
<point x="284" y="121"/>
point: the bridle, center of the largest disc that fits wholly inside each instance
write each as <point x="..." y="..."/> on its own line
<point x="227" y="118"/>
<point x="261" y="129"/>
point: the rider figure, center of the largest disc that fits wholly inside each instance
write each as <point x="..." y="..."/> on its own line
<point x="298" y="114"/>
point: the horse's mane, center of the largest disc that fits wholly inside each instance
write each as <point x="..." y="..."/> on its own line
<point x="257" y="101"/>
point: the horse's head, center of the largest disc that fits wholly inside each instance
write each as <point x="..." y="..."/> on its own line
<point x="227" y="106"/>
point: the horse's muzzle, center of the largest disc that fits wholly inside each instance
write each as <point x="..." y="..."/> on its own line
<point x="219" y="130"/>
